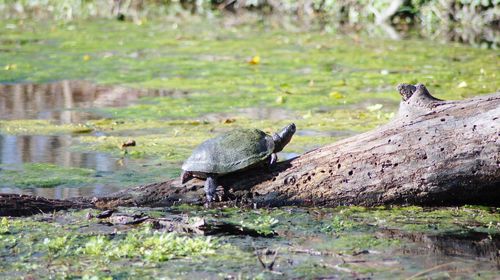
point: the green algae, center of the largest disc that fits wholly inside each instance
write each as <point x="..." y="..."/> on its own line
<point x="215" y="63"/>
<point x="41" y="127"/>
<point x="154" y="247"/>
<point x="439" y="220"/>
<point x="263" y="224"/>
<point x="44" y="175"/>
<point x="75" y="253"/>
<point x="306" y="244"/>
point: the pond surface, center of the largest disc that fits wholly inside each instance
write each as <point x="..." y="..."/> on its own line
<point x="65" y="102"/>
<point x="341" y="243"/>
<point x="71" y="94"/>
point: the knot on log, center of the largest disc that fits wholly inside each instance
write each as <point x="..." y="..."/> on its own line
<point x="290" y="180"/>
<point x="416" y="101"/>
<point x="406" y="90"/>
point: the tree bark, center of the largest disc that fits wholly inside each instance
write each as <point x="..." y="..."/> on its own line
<point x="433" y="152"/>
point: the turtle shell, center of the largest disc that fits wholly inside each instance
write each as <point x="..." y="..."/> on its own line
<point x="231" y="151"/>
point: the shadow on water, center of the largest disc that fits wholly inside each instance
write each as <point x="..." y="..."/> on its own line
<point x="66" y="101"/>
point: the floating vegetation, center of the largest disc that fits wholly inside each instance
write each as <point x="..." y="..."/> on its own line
<point x="305" y="242"/>
<point x="44" y="175"/>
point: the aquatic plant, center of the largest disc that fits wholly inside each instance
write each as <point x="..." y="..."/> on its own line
<point x="263" y="224"/>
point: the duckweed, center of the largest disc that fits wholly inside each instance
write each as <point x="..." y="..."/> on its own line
<point x="41" y="127"/>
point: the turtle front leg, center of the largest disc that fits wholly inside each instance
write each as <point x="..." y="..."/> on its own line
<point x="210" y="187"/>
<point x="273" y="160"/>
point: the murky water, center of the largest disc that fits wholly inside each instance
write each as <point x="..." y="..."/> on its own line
<point x="65" y="102"/>
<point x="16" y="150"/>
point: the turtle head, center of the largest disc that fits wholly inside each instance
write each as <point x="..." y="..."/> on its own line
<point x="283" y="137"/>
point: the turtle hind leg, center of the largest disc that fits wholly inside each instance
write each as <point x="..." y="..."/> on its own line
<point x="210" y="187"/>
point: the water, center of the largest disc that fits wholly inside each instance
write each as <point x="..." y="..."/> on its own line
<point x="65" y="102"/>
<point x="18" y="149"/>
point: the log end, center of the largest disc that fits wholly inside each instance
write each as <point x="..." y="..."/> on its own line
<point x="416" y="101"/>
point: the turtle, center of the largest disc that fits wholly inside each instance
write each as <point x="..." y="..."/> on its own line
<point x="234" y="151"/>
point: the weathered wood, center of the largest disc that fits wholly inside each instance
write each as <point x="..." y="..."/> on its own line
<point x="433" y="152"/>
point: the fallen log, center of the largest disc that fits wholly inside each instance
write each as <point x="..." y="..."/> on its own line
<point x="433" y="152"/>
<point x="24" y="205"/>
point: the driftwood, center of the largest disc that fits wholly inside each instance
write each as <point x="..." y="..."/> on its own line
<point x="433" y="152"/>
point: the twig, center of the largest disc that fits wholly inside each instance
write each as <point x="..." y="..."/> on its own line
<point x="337" y="267"/>
<point x="260" y="260"/>
<point x="314" y="252"/>
<point x="429" y="270"/>
<point x="270" y="266"/>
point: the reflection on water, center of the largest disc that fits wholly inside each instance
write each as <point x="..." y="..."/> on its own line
<point x="62" y="102"/>
<point x="65" y="192"/>
<point x="15" y="150"/>
<point x="65" y="101"/>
